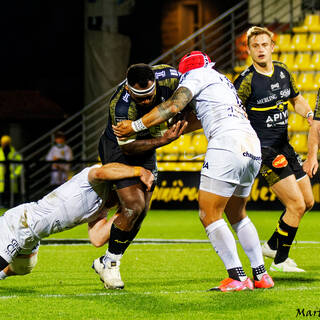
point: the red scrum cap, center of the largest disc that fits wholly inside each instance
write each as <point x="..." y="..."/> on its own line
<point x="193" y="60"/>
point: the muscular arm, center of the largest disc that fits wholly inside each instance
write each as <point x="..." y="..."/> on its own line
<point x="301" y="106"/>
<point x="141" y="146"/>
<point x="99" y="230"/>
<point x="311" y="164"/>
<point x="117" y="171"/>
<point x="164" y="111"/>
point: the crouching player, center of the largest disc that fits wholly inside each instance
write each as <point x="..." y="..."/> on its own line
<point x="85" y="198"/>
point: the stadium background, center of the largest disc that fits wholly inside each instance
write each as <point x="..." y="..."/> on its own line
<point x="49" y="74"/>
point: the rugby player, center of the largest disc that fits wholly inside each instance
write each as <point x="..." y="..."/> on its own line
<point x="231" y="163"/>
<point x="311" y="165"/>
<point x="143" y="88"/>
<point x="85" y="198"/>
<point x="265" y="89"/>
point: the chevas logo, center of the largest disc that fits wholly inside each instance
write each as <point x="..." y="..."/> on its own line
<point x="280" y="161"/>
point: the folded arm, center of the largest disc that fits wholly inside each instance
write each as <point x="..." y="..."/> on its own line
<point x="164" y="111"/>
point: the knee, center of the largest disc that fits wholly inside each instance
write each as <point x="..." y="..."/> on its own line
<point x="309" y="204"/>
<point x="298" y="208"/>
<point x="22" y="265"/>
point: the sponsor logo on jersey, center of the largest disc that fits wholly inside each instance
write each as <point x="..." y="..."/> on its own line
<point x="280" y="161"/>
<point x="160" y="74"/>
<point x="267" y="99"/>
<point x="275" y="86"/>
<point x="282" y="75"/>
<point x="174" y="72"/>
<point x="250" y="155"/>
<point x="205" y="165"/>
<point x="285" y="93"/>
<point x="12" y="247"/>
<point x="126" y="97"/>
<point x="280" y="119"/>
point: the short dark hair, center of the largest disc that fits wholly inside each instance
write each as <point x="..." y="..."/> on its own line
<point x="140" y="73"/>
<point x="59" y="134"/>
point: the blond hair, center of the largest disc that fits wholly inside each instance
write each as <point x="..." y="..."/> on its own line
<point x="255" y="31"/>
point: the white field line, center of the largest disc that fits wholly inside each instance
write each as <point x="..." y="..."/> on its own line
<point x="122" y="293"/>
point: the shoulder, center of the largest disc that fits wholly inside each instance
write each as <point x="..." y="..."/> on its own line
<point x="166" y="76"/>
<point x="280" y="66"/>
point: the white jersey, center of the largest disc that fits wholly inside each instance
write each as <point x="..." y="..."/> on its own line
<point x="73" y="203"/>
<point x="217" y="106"/>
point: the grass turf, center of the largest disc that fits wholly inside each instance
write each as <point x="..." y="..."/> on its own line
<point x="163" y="281"/>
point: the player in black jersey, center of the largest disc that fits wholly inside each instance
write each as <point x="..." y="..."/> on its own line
<point x="311" y="165"/>
<point x="144" y="88"/>
<point x="265" y="89"/>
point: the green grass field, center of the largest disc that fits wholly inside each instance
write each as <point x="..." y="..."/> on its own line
<point x="163" y="281"/>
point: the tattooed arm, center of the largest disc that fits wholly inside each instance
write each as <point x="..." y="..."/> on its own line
<point x="164" y="111"/>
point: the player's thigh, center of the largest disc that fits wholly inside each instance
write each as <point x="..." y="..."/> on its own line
<point x="132" y="197"/>
<point x="236" y="209"/>
<point x="306" y="190"/>
<point x="288" y="192"/>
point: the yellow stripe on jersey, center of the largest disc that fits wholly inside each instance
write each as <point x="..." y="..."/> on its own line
<point x="264" y="109"/>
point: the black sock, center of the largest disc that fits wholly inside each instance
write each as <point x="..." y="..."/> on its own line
<point x="120" y="240"/>
<point x="237" y="274"/>
<point x="273" y="241"/>
<point x="286" y="235"/>
<point x="258" y="272"/>
<point x="3" y="263"/>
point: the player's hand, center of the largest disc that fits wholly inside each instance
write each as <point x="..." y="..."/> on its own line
<point x="175" y="131"/>
<point x="123" y="129"/>
<point x="310" y="120"/>
<point x="310" y="167"/>
<point x="147" y="178"/>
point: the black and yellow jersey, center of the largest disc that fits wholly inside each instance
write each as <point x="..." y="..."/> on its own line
<point x="265" y="98"/>
<point x="123" y="107"/>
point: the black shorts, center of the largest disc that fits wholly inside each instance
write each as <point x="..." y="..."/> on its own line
<point x="279" y="163"/>
<point x="109" y="151"/>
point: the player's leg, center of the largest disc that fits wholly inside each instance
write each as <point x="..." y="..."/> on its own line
<point x="211" y="207"/>
<point x="289" y="193"/>
<point x="248" y="238"/>
<point x="306" y="190"/>
<point x="22" y="264"/>
<point x="135" y="203"/>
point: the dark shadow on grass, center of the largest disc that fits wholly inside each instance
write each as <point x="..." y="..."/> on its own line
<point x="15" y="291"/>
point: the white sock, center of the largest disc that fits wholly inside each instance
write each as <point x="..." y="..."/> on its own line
<point x="111" y="257"/>
<point x="2" y="275"/>
<point x="249" y="240"/>
<point x="224" y="243"/>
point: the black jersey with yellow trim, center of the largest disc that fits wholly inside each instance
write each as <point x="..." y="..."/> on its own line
<point x="265" y="98"/>
<point x="123" y="107"/>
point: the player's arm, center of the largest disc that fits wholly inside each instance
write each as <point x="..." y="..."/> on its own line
<point x="117" y="171"/>
<point x="99" y="230"/>
<point x="302" y="107"/>
<point x="311" y="165"/>
<point x="164" y="111"/>
<point x="141" y="146"/>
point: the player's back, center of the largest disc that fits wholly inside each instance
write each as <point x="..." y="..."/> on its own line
<point x="216" y="102"/>
<point x="72" y="203"/>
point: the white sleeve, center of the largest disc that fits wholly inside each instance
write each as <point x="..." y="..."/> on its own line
<point x="194" y="81"/>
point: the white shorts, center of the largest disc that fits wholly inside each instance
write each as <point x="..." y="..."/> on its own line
<point x="15" y="235"/>
<point x="230" y="172"/>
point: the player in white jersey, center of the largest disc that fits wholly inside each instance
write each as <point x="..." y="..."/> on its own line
<point x="85" y="198"/>
<point x="231" y="163"/>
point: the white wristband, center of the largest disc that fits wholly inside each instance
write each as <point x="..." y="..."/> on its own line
<point x="309" y="114"/>
<point x="138" y="125"/>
